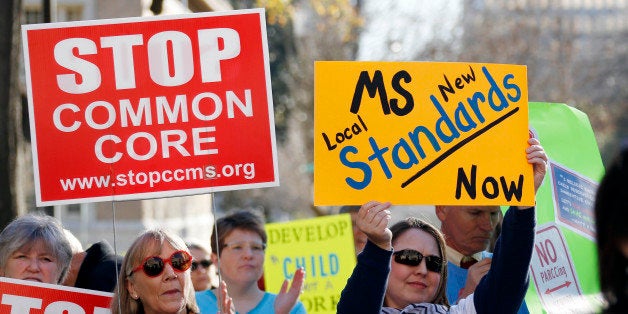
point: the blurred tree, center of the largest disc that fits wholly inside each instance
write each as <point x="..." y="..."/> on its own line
<point x="299" y="32"/>
<point x="574" y="55"/>
<point x="11" y="138"/>
<point x="575" y="51"/>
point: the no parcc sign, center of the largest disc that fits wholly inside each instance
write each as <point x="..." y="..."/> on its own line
<point x="553" y="272"/>
<point x="150" y="107"/>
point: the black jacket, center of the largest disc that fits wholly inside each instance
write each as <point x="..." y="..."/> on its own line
<point x="99" y="269"/>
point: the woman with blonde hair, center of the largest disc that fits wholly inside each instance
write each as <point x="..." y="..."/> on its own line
<point x="155" y="277"/>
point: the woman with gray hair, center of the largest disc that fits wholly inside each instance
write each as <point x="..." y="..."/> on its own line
<point x="34" y="247"/>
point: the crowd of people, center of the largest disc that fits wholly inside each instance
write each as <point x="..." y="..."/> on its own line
<point x="402" y="269"/>
<point x="408" y="267"/>
<point x="160" y="272"/>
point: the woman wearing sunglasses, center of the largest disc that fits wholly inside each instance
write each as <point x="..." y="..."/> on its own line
<point x="203" y="270"/>
<point x="155" y="277"/>
<point x="414" y="281"/>
<point x="402" y="269"/>
<point x="241" y="243"/>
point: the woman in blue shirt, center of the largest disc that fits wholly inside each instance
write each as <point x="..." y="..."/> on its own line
<point x="241" y="241"/>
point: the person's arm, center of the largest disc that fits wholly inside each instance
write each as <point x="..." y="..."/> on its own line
<point x="475" y="273"/>
<point x="225" y="302"/>
<point x="503" y="288"/>
<point x="287" y="298"/>
<point x="535" y="154"/>
<point x="366" y="288"/>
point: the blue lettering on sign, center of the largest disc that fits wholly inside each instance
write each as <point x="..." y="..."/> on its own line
<point x="408" y="152"/>
<point x="314" y="265"/>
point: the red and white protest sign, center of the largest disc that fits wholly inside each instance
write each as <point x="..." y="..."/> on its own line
<point x="139" y="108"/>
<point x="553" y="271"/>
<point x="19" y="297"/>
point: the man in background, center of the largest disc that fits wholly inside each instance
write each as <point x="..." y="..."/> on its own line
<point x="96" y="268"/>
<point x="468" y="232"/>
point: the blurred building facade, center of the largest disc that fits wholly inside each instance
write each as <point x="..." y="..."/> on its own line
<point x="188" y="216"/>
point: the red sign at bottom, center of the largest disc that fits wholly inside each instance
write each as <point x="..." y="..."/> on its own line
<point x="19" y="297"/>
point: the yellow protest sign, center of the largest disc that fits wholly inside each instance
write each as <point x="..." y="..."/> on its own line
<point x="323" y="247"/>
<point x="421" y="133"/>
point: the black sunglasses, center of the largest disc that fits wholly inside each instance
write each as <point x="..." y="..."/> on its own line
<point x="203" y="263"/>
<point x="153" y="266"/>
<point x="414" y="258"/>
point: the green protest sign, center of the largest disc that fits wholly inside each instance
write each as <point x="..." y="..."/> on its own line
<point x="563" y="270"/>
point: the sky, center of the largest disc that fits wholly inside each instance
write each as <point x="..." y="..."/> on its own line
<point x="395" y="29"/>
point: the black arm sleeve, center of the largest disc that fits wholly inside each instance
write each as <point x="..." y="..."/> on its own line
<point x="365" y="289"/>
<point x="503" y="288"/>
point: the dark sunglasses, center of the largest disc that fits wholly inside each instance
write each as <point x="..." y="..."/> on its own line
<point x="414" y="258"/>
<point x="153" y="266"/>
<point x="203" y="263"/>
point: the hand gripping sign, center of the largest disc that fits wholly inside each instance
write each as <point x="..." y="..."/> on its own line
<point x="150" y="107"/>
<point x="323" y="247"/>
<point x="421" y="133"/>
